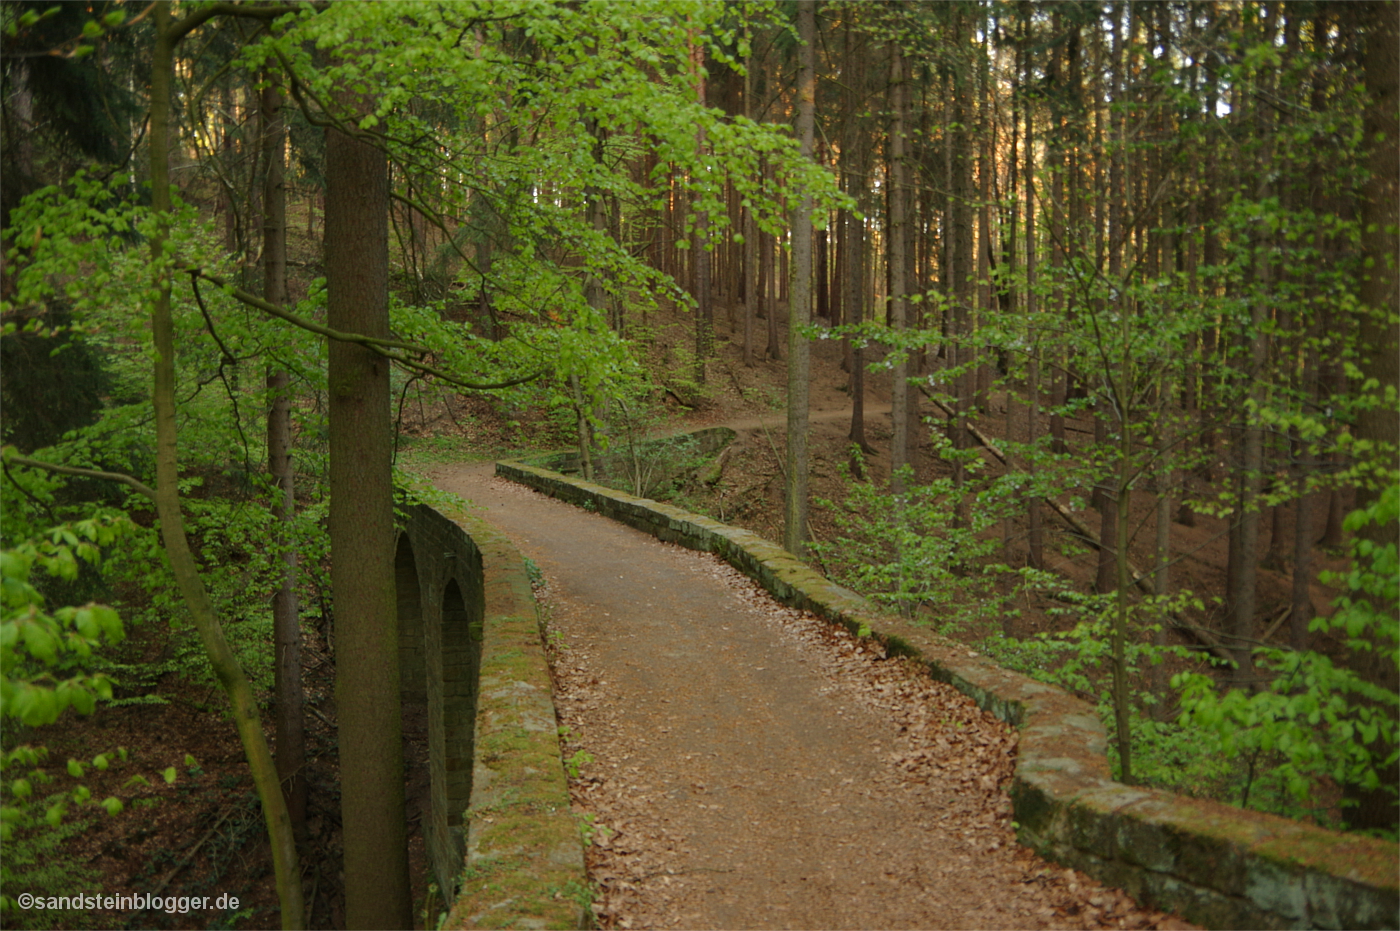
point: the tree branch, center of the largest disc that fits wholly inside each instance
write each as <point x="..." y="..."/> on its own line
<point x="127" y="480"/>
<point x="379" y="346"/>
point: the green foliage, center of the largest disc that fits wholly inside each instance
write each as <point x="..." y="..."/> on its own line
<point x="1079" y="659"/>
<point x="915" y="549"/>
<point x="37" y="861"/>
<point x="37" y="647"/>
<point x="1319" y="719"/>
<point x="577" y="761"/>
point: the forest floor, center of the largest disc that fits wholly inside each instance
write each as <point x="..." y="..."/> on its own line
<point x="743" y="765"/>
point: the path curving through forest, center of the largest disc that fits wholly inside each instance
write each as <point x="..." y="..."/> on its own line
<point x="746" y="766"/>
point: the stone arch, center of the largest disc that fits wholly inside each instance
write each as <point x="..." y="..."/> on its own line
<point x="413" y="681"/>
<point x="460" y="655"/>
<point x="454" y="659"/>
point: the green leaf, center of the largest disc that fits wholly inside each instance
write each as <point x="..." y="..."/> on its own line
<point x="170" y="774"/>
<point x="75" y="769"/>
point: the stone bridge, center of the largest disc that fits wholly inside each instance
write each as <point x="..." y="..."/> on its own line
<point x="506" y="851"/>
<point x="475" y="684"/>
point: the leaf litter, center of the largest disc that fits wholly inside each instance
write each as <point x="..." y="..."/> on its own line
<point x="941" y="852"/>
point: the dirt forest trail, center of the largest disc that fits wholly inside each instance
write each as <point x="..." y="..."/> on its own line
<point x="746" y="766"/>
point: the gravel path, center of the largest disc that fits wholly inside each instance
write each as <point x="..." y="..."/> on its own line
<point x="746" y="766"/>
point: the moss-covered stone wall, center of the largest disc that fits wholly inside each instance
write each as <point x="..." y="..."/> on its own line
<point x="1216" y="865"/>
<point x="502" y="841"/>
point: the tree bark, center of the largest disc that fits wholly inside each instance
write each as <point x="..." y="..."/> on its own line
<point x="898" y="247"/>
<point x="751" y="276"/>
<point x="1380" y="331"/>
<point x="800" y="296"/>
<point x="286" y="615"/>
<point x="361" y="526"/>
<point x="1379" y="334"/>
<point x="700" y="253"/>
<point x="1035" y="533"/>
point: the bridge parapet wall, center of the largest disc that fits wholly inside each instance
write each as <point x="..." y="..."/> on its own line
<point x="1219" y="866"/>
<point x="502" y="841"/>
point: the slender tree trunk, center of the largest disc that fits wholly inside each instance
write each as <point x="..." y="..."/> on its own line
<point x="1109" y="542"/>
<point x="752" y="282"/>
<point x="800" y="296"/>
<point x="1242" y="594"/>
<point x="897" y="248"/>
<point x="769" y="290"/>
<point x="853" y="283"/>
<point x="1380" y="331"/>
<point x="244" y="706"/>
<point x="700" y="254"/>
<point x="1036" y="535"/>
<point x="1303" y="610"/>
<point x="361" y="526"/>
<point x="1380" y="214"/>
<point x="286" y="617"/>
<point x="1121" y="692"/>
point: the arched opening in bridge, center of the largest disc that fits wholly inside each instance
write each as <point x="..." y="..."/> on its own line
<point x="460" y="655"/>
<point x="413" y="683"/>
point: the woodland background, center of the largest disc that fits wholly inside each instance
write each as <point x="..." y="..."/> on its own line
<point x="1125" y="272"/>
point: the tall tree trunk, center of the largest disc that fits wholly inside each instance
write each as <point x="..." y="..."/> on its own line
<point x="1107" y="576"/>
<point x="853" y="282"/>
<point x="700" y="253"/>
<point x="1379" y="334"/>
<point x="769" y="290"/>
<point x="286" y="616"/>
<point x="751" y="276"/>
<point x="897" y="249"/>
<point x="1242" y="594"/>
<point x="1035" y="534"/>
<point x="800" y="296"/>
<point x="361" y="524"/>
<point x="1379" y="328"/>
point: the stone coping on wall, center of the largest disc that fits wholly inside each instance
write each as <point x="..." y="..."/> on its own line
<point x="1218" y="866"/>
<point x="524" y="863"/>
